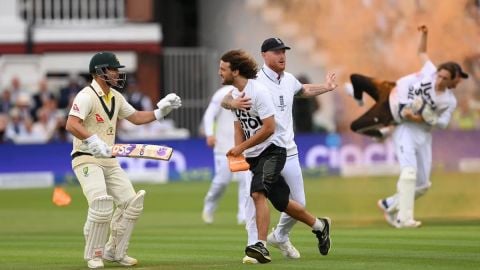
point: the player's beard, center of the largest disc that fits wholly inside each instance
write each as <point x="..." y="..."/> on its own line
<point x="280" y="67"/>
<point x="227" y="80"/>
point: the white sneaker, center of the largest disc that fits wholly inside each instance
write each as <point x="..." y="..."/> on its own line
<point x="249" y="260"/>
<point x="286" y="248"/>
<point x="125" y="261"/>
<point x="390" y="216"/>
<point x="207" y="217"/>
<point x="349" y="90"/>
<point x="408" y="224"/>
<point x="95" y="263"/>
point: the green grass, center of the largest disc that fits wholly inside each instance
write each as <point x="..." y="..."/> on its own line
<point x="34" y="234"/>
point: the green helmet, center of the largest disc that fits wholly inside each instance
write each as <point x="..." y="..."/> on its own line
<point x="99" y="65"/>
<point x="103" y="60"/>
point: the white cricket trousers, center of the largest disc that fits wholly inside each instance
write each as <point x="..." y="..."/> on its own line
<point x="220" y="181"/>
<point x="292" y="173"/>
<point x="413" y="147"/>
<point x="97" y="180"/>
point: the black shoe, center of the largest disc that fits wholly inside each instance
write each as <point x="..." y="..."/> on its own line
<point x="259" y="252"/>
<point x="324" y="236"/>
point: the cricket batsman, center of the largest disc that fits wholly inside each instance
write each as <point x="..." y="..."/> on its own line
<point x="113" y="204"/>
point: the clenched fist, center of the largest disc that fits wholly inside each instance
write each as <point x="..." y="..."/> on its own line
<point x="166" y="105"/>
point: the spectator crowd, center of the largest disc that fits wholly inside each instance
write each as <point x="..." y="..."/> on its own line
<point x="39" y="116"/>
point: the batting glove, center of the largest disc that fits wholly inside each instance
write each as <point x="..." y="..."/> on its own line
<point x="417" y="105"/>
<point x="98" y="148"/>
<point x="166" y="105"/>
<point x="429" y="115"/>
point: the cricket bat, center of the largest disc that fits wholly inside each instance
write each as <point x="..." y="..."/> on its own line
<point x="150" y="151"/>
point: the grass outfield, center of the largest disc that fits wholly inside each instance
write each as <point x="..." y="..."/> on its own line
<point x="34" y="234"/>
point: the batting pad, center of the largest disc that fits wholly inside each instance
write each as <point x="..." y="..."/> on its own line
<point x="96" y="227"/>
<point x="122" y="227"/>
<point x="406" y="194"/>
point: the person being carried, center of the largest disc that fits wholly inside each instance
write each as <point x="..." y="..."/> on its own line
<point x="379" y="120"/>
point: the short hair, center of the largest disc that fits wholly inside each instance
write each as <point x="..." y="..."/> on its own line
<point x="241" y="61"/>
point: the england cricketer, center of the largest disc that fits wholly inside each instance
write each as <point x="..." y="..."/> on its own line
<point x="412" y="136"/>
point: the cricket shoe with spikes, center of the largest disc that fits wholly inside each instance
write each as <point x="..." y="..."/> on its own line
<point x="207" y="217"/>
<point x="125" y="261"/>
<point x="286" y="248"/>
<point x="323" y="236"/>
<point x="389" y="215"/>
<point x="95" y="263"/>
<point x="259" y="252"/>
<point x="408" y="224"/>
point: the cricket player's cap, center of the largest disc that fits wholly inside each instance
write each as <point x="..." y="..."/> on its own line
<point x="273" y="44"/>
<point x="460" y="71"/>
<point x="454" y="68"/>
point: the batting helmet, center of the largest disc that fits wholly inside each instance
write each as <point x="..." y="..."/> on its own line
<point x="100" y="64"/>
<point x="104" y="60"/>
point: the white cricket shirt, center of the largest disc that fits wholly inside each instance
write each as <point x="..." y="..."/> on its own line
<point x="444" y="102"/>
<point x="400" y="94"/>
<point x="251" y="120"/>
<point x="283" y="91"/>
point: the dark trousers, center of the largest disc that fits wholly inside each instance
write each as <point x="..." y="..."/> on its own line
<point x="266" y="169"/>
<point x="379" y="115"/>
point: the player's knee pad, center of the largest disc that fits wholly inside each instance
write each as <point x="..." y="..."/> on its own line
<point x="135" y="206"/>
<point x="97" y="226"/>
<point x="279" y="194"/>
<point x="100" y="209"/>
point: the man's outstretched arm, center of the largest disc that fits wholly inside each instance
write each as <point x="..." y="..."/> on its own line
<point x="311" y="90"/>
<point x="422" y="47"/>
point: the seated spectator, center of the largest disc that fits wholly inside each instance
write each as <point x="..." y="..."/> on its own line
<point x="16" y="90"/>
<point x="17" y="125"/>
<point x="45" y="126"/>
<point x="6" y="103"/>
<point x="75" y="84"/>
<point x="24" y="103"/>
<point x="41" y="97"/>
